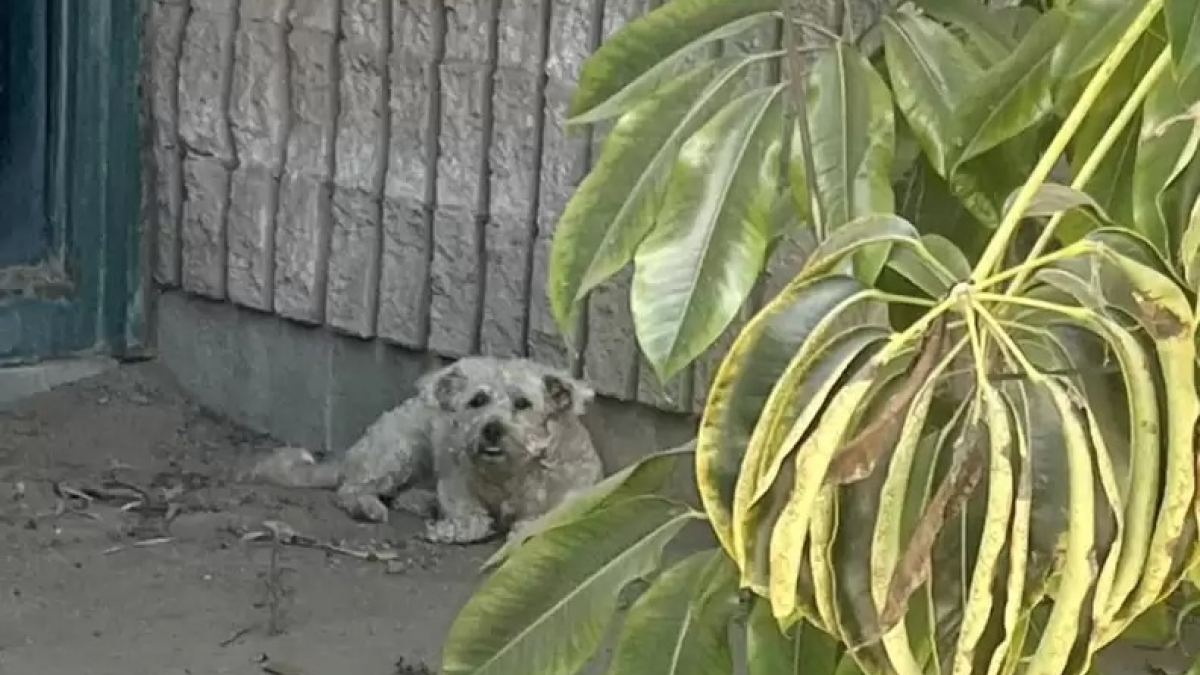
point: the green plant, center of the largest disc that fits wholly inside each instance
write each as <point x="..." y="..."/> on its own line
<point x="962" y="438"/>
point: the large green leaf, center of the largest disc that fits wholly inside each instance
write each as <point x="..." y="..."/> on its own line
<point x="633" y="56"/>
<point x="1051" y="199"/>
<point x="1013" y="95"/>
<point x="1189" y="248"/>
<point x="1164" y="312"/>
<point x="899" y="489"/>
<point x="796" y="401"/>
<point x="853" y="136"/>
<point x="547" y="610"/>
<point x="680" y="625"/>
<point x="1183" y="30"/>
<point x="933" y="281"/>
<point x="1077" y="571"/>
<point x="645" y="477"/>
<point x="1093" y="29"/>
<point x="1143" y="412"/>
<point x="744" y="382"/>
<point x="860" y="233"/>
<point x="697" y="267"/>
<point x="930" y="71"/>
<point x="926" y="199"/>
<point x="804" y="650"/>
<point x="1014" y="395"/>
<point x="790" y="534"/>
<point x="1136" y="281"/>
<point x="978" y="609"/>
<point x="985" y="35"/>
<point x="762" y="351"/>
<point x="1110" y="185"/>
<point x="1170" y="136"/>
<point x="614" y="208"/>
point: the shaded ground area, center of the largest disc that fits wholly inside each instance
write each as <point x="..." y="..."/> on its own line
<point x="126" y="547"/>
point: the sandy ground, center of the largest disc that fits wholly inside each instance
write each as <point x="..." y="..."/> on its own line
<point x="127" y="548"/>
<point x="96" y="579"/>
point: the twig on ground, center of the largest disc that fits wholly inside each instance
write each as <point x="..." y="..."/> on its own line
<point x="139" y="544"/>
<point x="284" y="534"/>
<point x="237" y="635"/>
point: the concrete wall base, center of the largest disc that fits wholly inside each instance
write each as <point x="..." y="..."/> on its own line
<point x="313" y="387"/>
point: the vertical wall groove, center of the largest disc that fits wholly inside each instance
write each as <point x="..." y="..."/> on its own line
<point x="260" y="122"/>
<point x="176" y="177"/>
<point x="360" y="171"/>
<point x="385" y="142"/>
<point x="483" y="190"/>
<point x="303" y="222"/>
<point x="277" y="175"/>
<point x="164" y="51"/>
<point x="466" y="89"/>
<point x="321" y="285"/>
<point x="433" y="132"/>
<point x="545" y="21"/>
<point x="204" y="89"/>
<point x="227" y="65"/>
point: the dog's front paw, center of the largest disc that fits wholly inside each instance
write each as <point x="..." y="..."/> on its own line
<point x="417" y="502"/>
<point x="373" y="510"/>
<point x="363" y="507"/>
<point x="458" y="531"/>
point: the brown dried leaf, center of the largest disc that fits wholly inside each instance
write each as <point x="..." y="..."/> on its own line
<point x="1162" y="323"/>
<point x="951" y="496"/>
<point x="856" y="459"/>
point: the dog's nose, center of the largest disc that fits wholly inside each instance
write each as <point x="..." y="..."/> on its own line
<point x="493" y="432"/>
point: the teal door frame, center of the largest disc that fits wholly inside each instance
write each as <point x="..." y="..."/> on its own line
<point x="87" y="295"/>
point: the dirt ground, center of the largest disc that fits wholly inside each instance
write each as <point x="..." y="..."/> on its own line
<point x="126" y="548"/>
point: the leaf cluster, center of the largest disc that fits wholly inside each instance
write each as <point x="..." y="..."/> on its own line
<point x="962" y="437"/>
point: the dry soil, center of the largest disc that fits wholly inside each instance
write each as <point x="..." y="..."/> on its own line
<point x="128" y="548"/>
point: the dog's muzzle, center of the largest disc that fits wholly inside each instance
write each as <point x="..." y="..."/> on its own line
<point x="490" y="437"/>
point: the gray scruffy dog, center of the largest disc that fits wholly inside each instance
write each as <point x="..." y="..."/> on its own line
<point x="502" y="439"/>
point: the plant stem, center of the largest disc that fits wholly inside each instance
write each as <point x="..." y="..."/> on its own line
<point x="795" y="75"/>
<point x="1001" y="336"/>
<point x="1012" y="218"/>
<point x="1097" y="155"/>
<point x="1076" y="313"/>
<point x="1031" y="264"/>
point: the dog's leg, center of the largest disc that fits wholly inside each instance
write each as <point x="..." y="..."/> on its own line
<point x="417" y="501"/>
<point x="360" y="504"/>
<point x="463" y="519"/>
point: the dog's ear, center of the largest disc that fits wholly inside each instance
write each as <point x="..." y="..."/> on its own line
<point x="441" y="387"/>
<point x="564" y="393"/>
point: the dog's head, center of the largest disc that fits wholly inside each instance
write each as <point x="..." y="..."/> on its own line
<point x="505" y="412"/>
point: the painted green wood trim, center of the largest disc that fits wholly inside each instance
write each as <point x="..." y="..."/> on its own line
<point x="97" y="166"/>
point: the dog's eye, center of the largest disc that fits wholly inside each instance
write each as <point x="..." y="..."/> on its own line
<point x="479" y="400"/>
<point x="522" y="403"/>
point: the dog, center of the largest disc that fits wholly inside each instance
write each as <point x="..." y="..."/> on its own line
<point x="501" y="439"/>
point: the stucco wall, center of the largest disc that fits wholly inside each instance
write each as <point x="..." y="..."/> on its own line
<point x="389" y="169"/>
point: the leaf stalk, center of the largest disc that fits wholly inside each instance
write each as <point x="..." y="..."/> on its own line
<point x="1097" y="155"/>
<point x="1000" y="240"/>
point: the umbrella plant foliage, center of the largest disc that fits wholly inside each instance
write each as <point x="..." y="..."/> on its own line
<point x="962" y="438"/>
